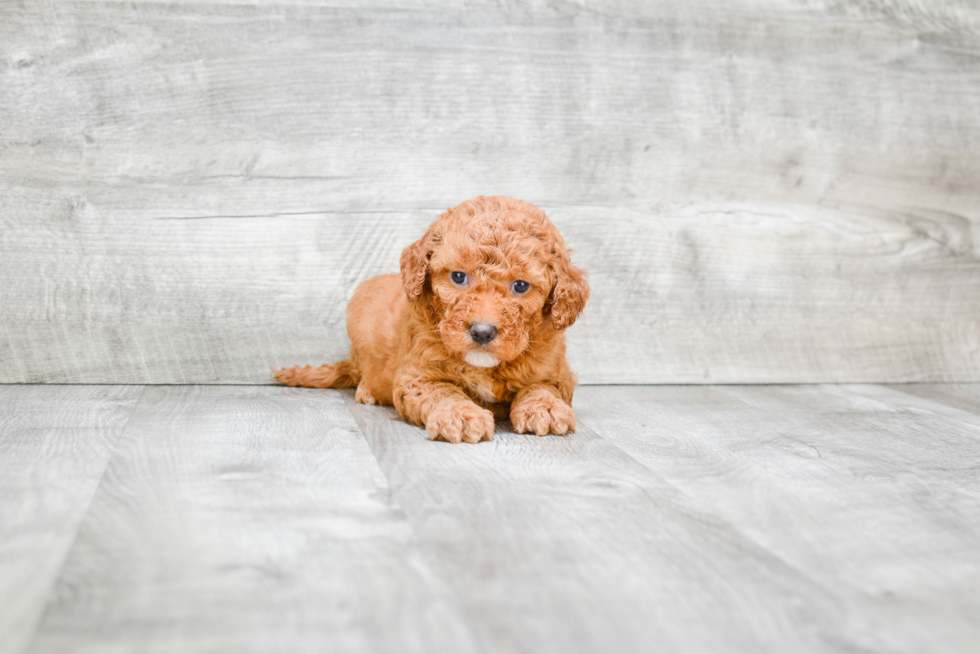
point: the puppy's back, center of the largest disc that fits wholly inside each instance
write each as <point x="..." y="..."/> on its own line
<point x="373" y="317"/>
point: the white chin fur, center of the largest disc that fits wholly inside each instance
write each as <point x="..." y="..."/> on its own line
<point x="481" y="359"/>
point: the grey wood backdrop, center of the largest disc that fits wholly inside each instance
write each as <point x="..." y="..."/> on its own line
<point x="762" y="190"/>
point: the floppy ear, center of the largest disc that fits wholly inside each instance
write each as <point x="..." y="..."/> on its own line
<point x="415" y="267"/>
<point x="569" y="295"/>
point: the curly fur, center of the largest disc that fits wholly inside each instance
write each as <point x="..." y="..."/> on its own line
<point x="410" y="340"/>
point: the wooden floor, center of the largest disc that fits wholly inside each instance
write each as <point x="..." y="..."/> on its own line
<point x="678" y="518"/>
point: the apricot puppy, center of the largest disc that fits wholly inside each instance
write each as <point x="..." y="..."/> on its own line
<point x="472" y="328"/>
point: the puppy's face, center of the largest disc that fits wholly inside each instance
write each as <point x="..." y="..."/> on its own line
<point x="488" y="310"/>
<point x="494" y="271"/>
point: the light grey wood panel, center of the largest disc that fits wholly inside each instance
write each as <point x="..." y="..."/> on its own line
<point x="711" y="293"/>
<point x="573" y="104"/>
<point x="246" y="520"/>
<point x="782" y="294"/>
<point x="875" y="499"/>
<point x="180" y="301"/>
<point x="568" y="545"/>
<point x="659" y="134"/>
<point x="54" y="446"/>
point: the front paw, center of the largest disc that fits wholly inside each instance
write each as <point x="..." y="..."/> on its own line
<point x="542" y="414"/>
<point x="459" y="421"/>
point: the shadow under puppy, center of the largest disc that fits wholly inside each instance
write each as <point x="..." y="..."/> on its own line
<point x="471" y="328"/>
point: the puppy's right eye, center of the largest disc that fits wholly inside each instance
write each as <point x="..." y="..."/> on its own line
<point x="459" y="278"/>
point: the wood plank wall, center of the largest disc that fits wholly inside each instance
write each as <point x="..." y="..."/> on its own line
<point x="761" y="190"/>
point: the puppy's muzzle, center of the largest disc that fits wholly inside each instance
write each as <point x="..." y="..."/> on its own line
<point x="482" y="333"/>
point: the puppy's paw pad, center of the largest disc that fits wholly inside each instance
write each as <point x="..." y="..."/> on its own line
<point x="457" y="422"/>
<point x="543" y="415"/>
<point x="363" y="396"/>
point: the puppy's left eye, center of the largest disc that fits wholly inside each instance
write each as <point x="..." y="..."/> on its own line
<point x="520" y="286"/>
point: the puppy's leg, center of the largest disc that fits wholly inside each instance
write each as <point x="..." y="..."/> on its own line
<point x="539" y="409"/>
<point x="363" y="395"/>
<point x="444" y="410"/>
<point x="330" y="375"/>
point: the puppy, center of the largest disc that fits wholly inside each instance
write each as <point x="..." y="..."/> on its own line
<point x="472" y="328"/>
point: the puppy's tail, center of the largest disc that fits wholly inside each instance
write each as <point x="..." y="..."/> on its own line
<point x="342" y="374"/>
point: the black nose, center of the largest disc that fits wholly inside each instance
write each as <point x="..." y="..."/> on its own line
<point x="482" y="333"/>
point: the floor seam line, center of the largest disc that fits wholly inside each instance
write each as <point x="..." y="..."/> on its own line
<point x="113" y="449"/>
<point x="348" y="396"/>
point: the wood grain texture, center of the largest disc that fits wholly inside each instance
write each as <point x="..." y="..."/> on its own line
<point x="961" y="396"/>
<point x="566" y="544"/>
<point x="955" y="402"/>
<point x="685" y="518"/>
<point x="872" y="498"/>
<point x="246" y="520"/>
<point x="762" y="190"/>
<point x="55" y="443"/>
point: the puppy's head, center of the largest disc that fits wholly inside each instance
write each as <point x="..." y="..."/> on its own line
<point x="493" y="274"/>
